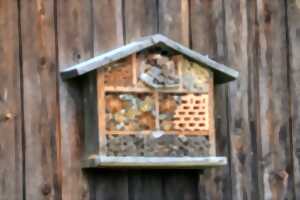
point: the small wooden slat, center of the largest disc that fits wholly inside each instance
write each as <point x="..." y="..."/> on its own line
<point x="101" y="111"/>
<point x="147" y="90"/>
<point x="211" y="115"/>
<point x="202" y="132"/>
<point x="154" y="162"/>
<point x="134" y="63"/>
<point x="156" y="101"/>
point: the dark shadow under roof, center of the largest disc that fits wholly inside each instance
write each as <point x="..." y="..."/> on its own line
<point x="222" y="73"/>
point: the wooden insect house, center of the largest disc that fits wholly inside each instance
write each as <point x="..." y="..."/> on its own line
<point x="150" y="104"/>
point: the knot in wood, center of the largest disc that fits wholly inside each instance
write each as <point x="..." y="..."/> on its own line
<point x="46" y="189"/>
<point x="282" y="174"/>
<point x="6" y="116"/>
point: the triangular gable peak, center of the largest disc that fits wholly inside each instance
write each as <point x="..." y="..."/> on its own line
<point x="221" y="72"/>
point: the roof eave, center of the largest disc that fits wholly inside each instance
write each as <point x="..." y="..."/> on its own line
<point x="223" y="73"/>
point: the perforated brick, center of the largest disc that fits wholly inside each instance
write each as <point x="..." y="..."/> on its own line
<point x="192" y="113"/>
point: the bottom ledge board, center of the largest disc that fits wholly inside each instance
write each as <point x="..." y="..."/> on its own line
<point x="98" y="161"/>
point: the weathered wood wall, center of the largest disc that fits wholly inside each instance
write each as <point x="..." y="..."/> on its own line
<point x="257" y="116"/>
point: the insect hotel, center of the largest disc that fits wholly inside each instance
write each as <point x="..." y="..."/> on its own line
<point x="150" y="104"/>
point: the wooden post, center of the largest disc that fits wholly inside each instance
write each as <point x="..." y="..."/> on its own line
<point x="101" y="111"/>
<point x="134" y="69"/>
<point x="211" y="106"/>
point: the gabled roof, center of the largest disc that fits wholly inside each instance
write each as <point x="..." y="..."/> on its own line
<point x="222" y="73"/>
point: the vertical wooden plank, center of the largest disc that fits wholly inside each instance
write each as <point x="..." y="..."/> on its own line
<point x="239" y="39"/>
<point x="211" y="105"/>
<point x="90" y="114"/>
<point x="146" y="185"/>
<point x="174" y="20"/>
<point x="181" y="185"/>
<point x="108" y="34"/>
<point x="11" y="173"/>
<point x="274" y="101"/>
<point x="293" y="15"/>
<point x="110" y="184"/>
<point x="101" y="112"/>
<point x="141" y="19"/>
<point x="108" y="25"/>
<point x="74" y="45"/>
<point x="208" y="37"/>
<point x="40" y="100"/>
<point x="134" y="61"/>
<point x="207" y="28"/>
<point x="253" y="100"/>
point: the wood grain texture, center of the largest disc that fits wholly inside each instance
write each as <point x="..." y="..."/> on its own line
<point x="174" y="20"/>
<point x="255" y="41"/>
<point x="11" y="172"/>
<point x="181" y="185"/>
<point x="239" y="50"/>
<point x="140" y="19"/>
<point x="74" y="45"/>
<point x="40" y="101"/>
<point x="111" y="185"/>
<point x="293" y="25"/>
<point x="91" y="118"/>
<point x="146" y="185"/>
<point x="208" y="35"/>
<point x="275" y="158"/>
<point x="108" y="25"/>
<point x="208" y="38"/>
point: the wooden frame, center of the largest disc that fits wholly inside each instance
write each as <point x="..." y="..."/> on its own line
<point x="102" y="89"/>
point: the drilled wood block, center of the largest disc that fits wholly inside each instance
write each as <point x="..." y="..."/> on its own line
<point x="120" y="75"/>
